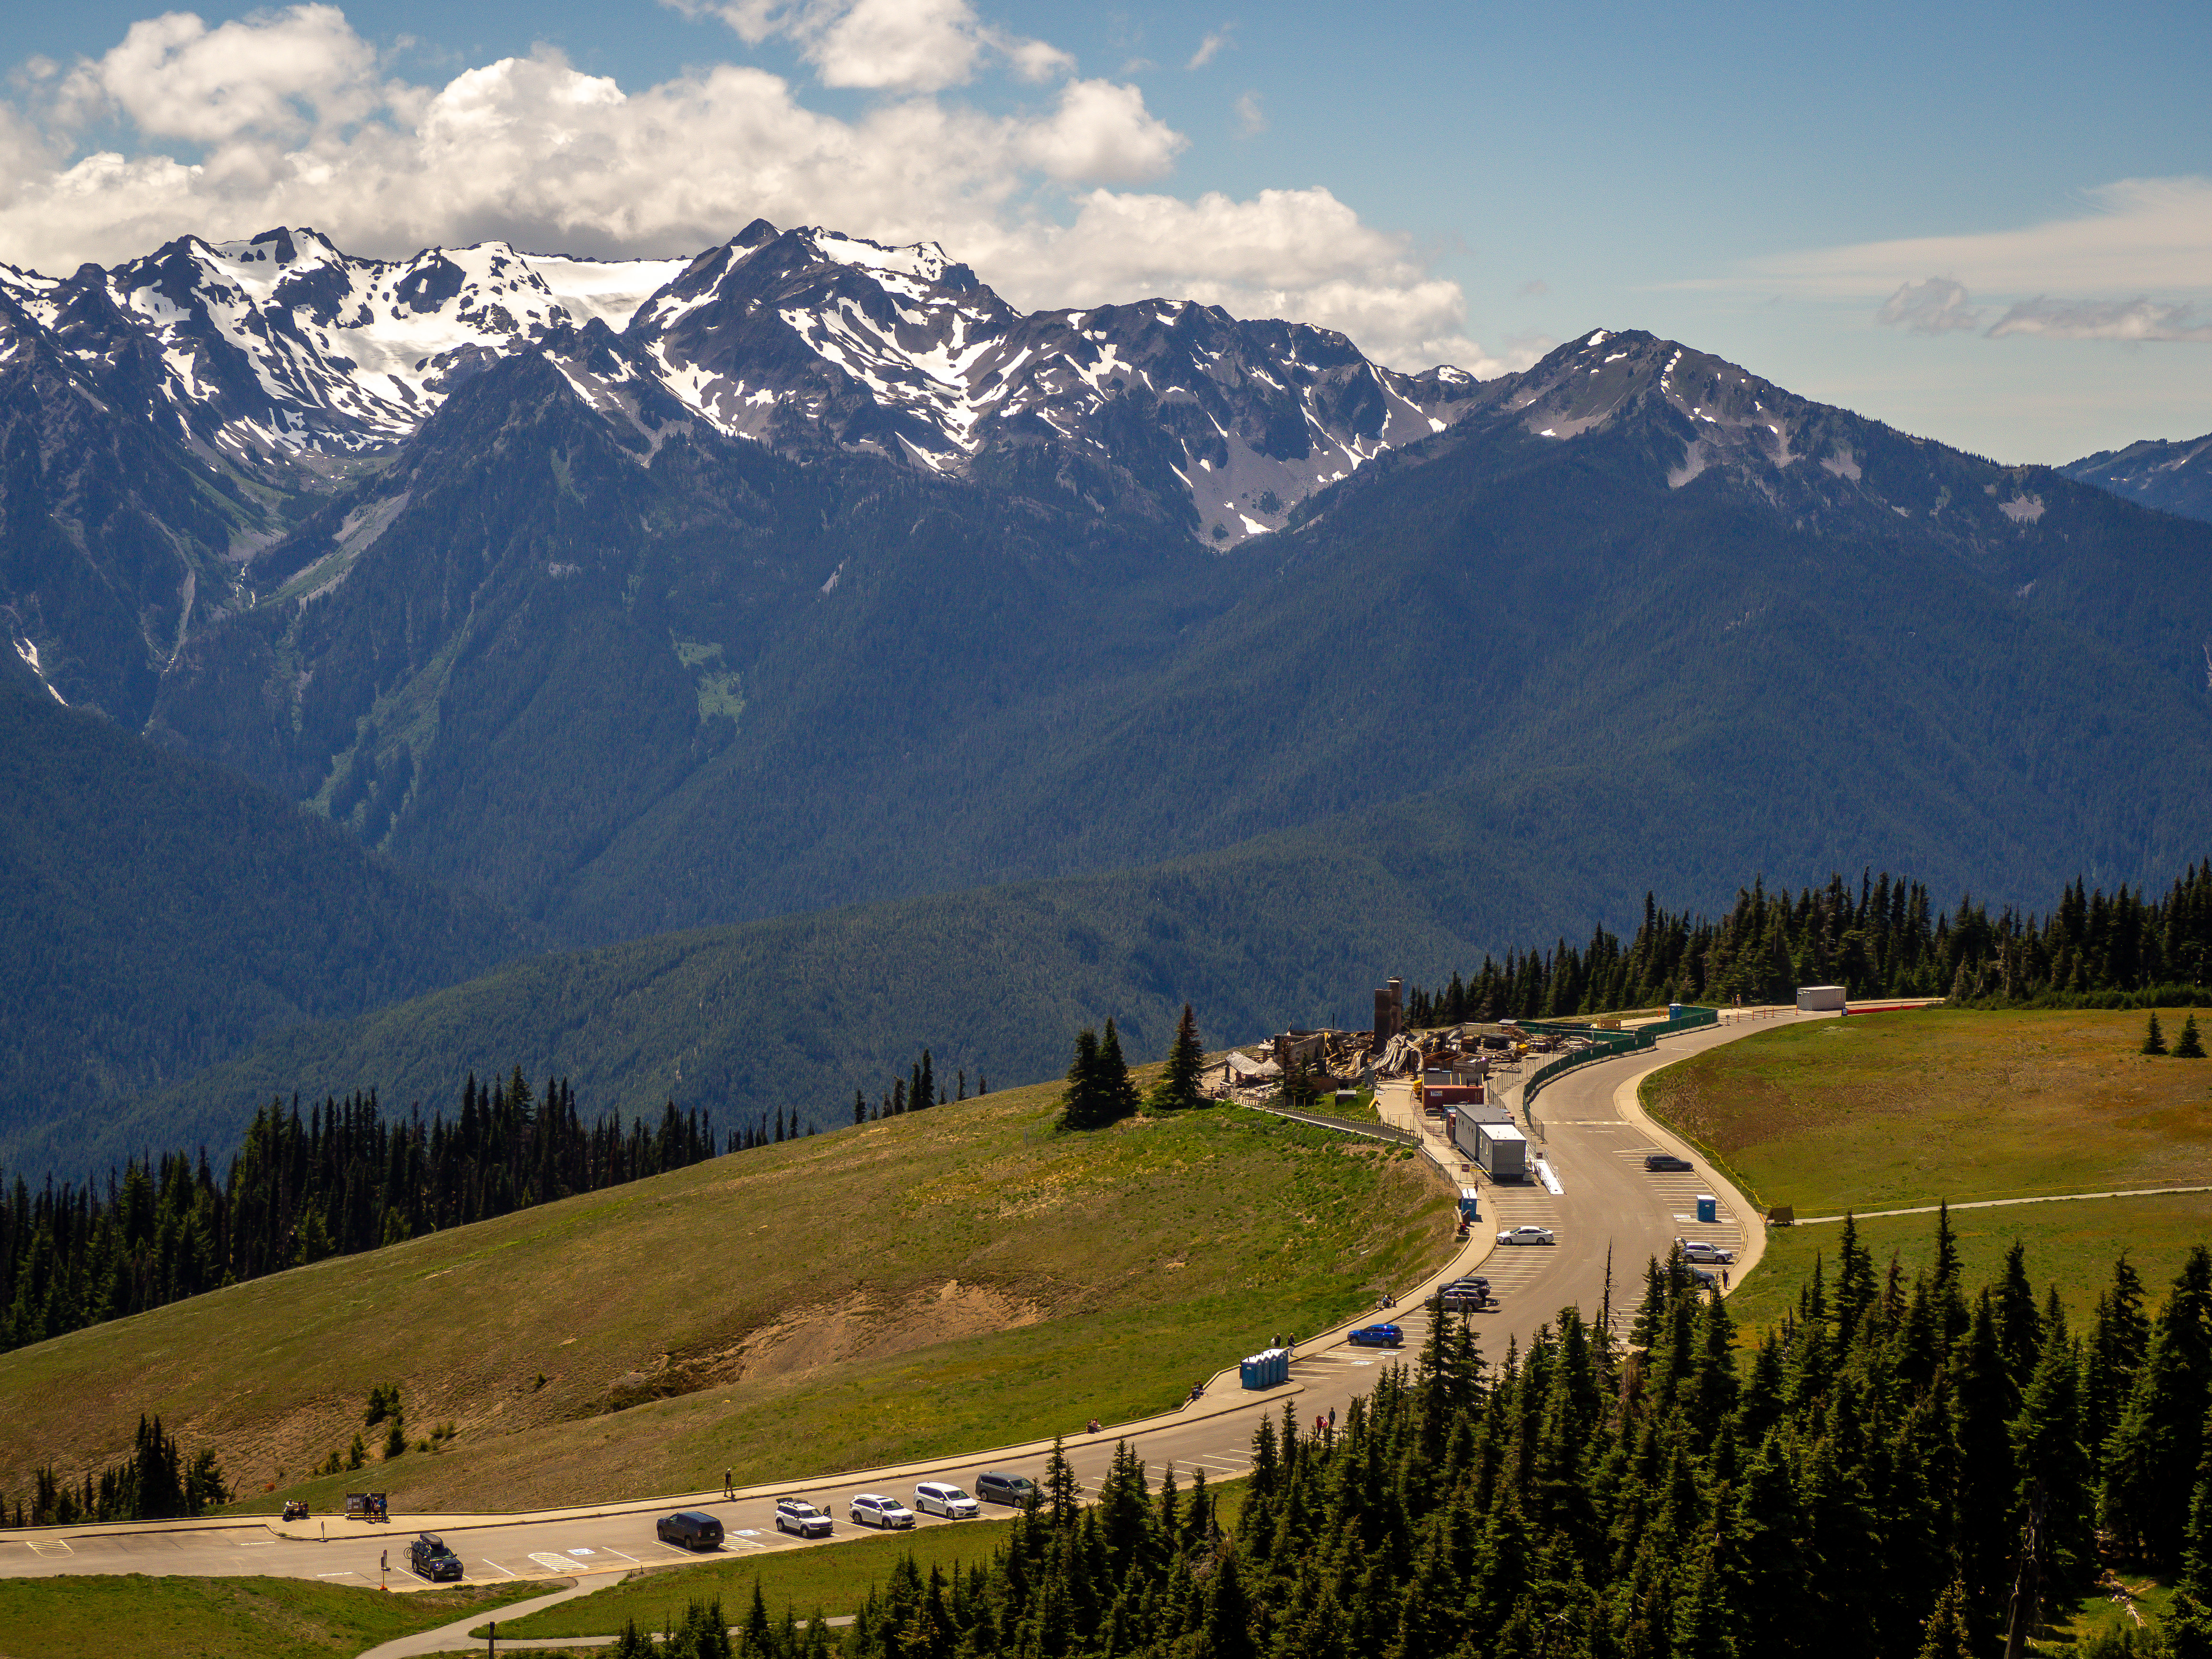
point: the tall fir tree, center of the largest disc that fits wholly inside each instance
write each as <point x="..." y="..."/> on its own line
<point x="1178" y="1087"/>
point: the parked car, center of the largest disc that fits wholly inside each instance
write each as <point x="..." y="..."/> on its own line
<point x="1697" y="1250"/>
<point x="1666" y="1161"/>
<point x="1527" y="1236"/>
<point x="796" y="1515"/>
<point x="995" y="1487"/>
<point x="1705" y="1278"/>
<point x="874" y="1509"/>
<point x="1463" y="1296"/>
<point x="942" y="1498"/>
<point x="1377" y="1336"/>
<point x="428" y="1555"/>
<point x="691" y="1529"/>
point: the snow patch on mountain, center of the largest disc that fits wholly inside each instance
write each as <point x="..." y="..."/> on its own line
<point x="284" y="347"/>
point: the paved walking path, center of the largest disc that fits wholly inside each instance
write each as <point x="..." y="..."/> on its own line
<point x="2001" y="1203"/>
<point x="447" y="1637"/>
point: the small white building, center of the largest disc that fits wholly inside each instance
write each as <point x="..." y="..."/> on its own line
<point x="1820" y="998"/>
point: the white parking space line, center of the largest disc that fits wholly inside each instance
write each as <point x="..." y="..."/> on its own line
<point x="488" y="1561"/>
<point x="551" y="1562"/>
<point x="632" y="1559"/>
<point x="340" y="1574"/>
<point x="52" y="1548"/>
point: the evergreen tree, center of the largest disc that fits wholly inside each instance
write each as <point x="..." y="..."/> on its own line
<point x="2190" y="1046"/>
<point x="2152" y="1458"/>
<point x="1178" y="1087"/>
<point x="1113" y="1076"/>
<point x="1086" y="1103"/>
<point x="2153" y="1040"/>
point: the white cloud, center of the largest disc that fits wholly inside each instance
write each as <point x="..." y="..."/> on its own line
<point x="281" y="73"/>
<point x="2140" y="233"/>
<point x="1102" y="131"/>
<point x="908" y="45"/>
<point x="1936" y="306"/>
<point x="2125" y="319"/>
<point x="281" y="120"/>
<point x="1211" y="47"/>
<point x="1251" y="119"/>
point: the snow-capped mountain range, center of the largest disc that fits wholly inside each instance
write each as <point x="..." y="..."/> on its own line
<point x="284" y="353"/>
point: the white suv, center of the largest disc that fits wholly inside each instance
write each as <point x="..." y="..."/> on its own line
<point x="797" y="1515"/>
<point x="1696" y="1251"/>
<point x="874" y="1510"/>
<point x="937" y="1498"/>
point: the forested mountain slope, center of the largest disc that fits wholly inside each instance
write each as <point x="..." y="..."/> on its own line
<point x="2174" y="477"/>
<point x="160" y="913"/>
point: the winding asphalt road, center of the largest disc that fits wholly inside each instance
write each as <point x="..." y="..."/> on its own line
<point x="1585" y="1125"/>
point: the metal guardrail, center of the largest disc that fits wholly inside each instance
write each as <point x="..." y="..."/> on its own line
<point x="1606" y="1045"/>
<point x="1349" y="1126"/>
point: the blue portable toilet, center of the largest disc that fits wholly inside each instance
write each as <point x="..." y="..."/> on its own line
<point x="1469" y="1205"/>
<point x="1709" y="1208"/>
<point x="1268" y="1369"/>
<point x="1674" y="1011"/>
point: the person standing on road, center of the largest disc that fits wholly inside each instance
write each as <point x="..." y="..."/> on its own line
<point x="1331" y="1419"/>
<point x="729" y="1483"/>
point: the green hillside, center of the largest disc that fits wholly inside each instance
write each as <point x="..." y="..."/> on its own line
<point x="795" y="1014"/>
<point x="962" y="1277"/>
<point x="161" y="913"/>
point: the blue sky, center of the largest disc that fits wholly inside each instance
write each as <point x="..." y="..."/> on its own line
<point x="1992" y="226"/>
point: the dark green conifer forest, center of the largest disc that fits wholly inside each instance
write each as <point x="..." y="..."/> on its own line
<point x="1886" y="940"/>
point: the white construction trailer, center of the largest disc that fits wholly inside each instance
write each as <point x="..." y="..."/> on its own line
<point x="1499" y="1150"/>
<point x="1820" y="998"/>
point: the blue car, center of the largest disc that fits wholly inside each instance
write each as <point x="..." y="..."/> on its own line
<point x="1377" y="1336"/>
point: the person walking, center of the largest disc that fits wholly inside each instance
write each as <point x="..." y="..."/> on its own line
<point x="729" y="1483"/>
<point x="1331" y="1419"/>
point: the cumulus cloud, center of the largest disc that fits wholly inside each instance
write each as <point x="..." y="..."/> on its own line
<point x="285" y="117"/>
<point x="1936" y="306"/>
<point x="911" y="45"/>
<point x="2129" y="319"/>
<point x="174" y="77"/>
<point x="1211" y="47"/>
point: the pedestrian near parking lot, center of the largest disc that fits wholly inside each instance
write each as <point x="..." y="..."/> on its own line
<point x="1331" y="1419"/>
<point x="729" y="1483"/>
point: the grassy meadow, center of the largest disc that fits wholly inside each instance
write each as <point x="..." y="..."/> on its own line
<point x="1879" y="1111"/>
<point x="137" y="1617"/>
<point x="948" y="1280"/>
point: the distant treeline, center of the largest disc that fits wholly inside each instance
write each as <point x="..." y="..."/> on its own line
<point x="155" y="1483"/>
<point x="918" y="1090"/>
<point x="1886" y="940"/>
<point x="341" y="1180"/>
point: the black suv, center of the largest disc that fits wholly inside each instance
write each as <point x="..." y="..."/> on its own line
<point x="1666" y="1161"/>
<point x="428" y="1555"/>
<point x="993" y="1487"/>
<point x="694" y="1530"/>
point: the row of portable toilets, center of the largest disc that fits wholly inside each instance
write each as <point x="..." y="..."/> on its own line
<point x="1267" y="1369"/>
